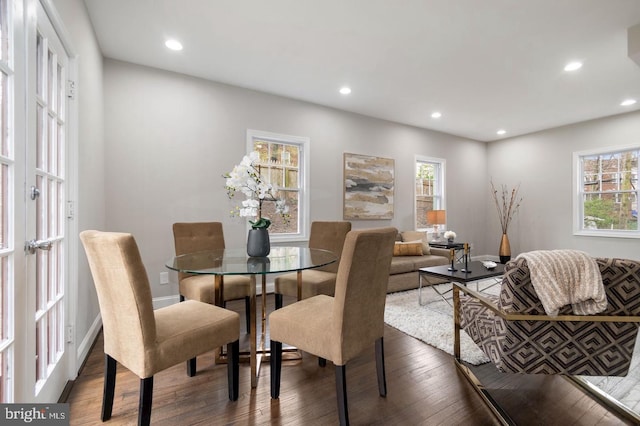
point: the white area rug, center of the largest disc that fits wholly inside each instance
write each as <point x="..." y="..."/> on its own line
<point x="432" y="323"/>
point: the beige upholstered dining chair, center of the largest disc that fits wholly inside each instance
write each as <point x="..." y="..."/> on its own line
<point x="339" y="328"/>
<point x="191" y="237"/>
<point x="330" y="236"/>
<point x="141" y="339"/>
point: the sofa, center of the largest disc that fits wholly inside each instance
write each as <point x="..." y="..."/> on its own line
<point x="412" y="252"/>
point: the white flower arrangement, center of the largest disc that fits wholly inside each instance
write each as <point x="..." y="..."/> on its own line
<point x="450" y="235"/>
<point x="245" y="177"/>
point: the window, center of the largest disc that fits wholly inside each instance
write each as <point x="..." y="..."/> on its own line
<point x="607" y="193"/>
<point x="284" y="162"/>
<point x="429" y="189"/>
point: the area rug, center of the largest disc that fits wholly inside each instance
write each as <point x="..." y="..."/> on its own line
<point x="432" y="323"/>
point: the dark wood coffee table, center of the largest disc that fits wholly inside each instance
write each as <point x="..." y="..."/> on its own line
<point x="476" y="272"/>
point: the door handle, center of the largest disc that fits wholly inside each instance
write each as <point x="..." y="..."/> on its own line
<point x="33" y="245"/>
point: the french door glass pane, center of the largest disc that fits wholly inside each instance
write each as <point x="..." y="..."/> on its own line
<point x="4" y="113"/>
<point x="4" y="303"/>
<point x="3" y="379"/>
<point x="38" y="347"/>
<point x="51" y="94"/>
<point x="4" y="33"/>
<point x="4" y="207"/>
<point x="39" y="63"/>
<point x="52" y="146"/>
<point x="40" y="131"/>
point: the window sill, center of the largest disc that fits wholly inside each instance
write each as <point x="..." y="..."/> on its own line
<point x="607" y="233"/>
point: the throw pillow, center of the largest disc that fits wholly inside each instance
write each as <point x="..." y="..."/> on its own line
<point x="417" y="236"/>
<point x="410" y="248"/>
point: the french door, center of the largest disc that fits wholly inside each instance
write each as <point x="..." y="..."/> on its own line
<point x="34" y="350"/>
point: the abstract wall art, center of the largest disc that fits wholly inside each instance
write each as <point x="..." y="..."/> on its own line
<point x="368" y="187"/>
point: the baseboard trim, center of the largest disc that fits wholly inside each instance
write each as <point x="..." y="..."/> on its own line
<point x="87" y="343"/>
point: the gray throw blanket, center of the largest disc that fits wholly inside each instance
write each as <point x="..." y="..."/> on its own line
<point x="563" y="277"/>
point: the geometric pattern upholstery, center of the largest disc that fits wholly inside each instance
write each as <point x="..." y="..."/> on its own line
<point x="586" y="348"/>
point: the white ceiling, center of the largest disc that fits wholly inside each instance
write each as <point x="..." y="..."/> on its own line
<point x="485" y="64"/>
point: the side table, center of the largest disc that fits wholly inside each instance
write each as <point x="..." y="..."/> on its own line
<point x="444" y="244"/>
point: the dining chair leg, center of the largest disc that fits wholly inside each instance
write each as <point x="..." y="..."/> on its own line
<point x="276" y="368"/>
<point x="109" y="387"/>
<point x="382" y="379"/>
<point x="278" y="298"/>
<point x="146" y="397"/>
<point x="191" y="367"/>
<point x="341" y="394"/>
<point x="233" y="369"/>
<point x="247" y="310"/>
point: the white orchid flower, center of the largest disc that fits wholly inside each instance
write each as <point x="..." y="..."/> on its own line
<point x="245" y="177"/>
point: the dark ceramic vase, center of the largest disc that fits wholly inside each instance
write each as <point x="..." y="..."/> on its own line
<point x="258" y="244"/>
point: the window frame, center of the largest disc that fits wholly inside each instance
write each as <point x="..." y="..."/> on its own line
<point x="303" y="143"/>
<point x="442" y="163"/>
<point x="578" y="195"/>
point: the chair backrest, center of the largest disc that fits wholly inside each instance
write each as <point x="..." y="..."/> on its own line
<point x="361" y="290"/>
<point x="124" y="295"/>
<point x="329" y="235"/>
<point x="597" y="348"/>
<point x="192" y="237"/>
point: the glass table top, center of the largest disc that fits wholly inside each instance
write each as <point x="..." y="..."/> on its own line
<point x="237" y="262"/>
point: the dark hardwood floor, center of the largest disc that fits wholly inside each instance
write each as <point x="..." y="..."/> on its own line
<point x="424" y="388"/>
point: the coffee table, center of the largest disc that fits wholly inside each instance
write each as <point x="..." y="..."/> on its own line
<point x="475" y="271"/>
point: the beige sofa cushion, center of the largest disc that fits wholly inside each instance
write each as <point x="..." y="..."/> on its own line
<point x="409" y="248"/>
<point x="417" y="236"/>
<point x="402" y="264"/>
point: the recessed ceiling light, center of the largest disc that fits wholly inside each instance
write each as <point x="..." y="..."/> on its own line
<point x="501" y="132"/>
<point x="173" y="44"/>
<point x="628" y="102"/>
<point x="436" y="115"/>
<point x="345" y="90"/>
<point x="572" y="66"/>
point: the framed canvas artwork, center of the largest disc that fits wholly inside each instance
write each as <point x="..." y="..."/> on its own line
<point x="368" y="187"/>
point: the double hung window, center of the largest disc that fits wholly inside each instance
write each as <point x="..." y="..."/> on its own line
<point x="428" y="189"/>
<point x="607" y="193"/>
<point x="284" y="163"/>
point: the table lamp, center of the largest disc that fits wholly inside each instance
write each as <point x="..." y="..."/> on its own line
<point x="435" y="218"/>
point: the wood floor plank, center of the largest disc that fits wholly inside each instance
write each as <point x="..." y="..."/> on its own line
<point x="424" y="388"/>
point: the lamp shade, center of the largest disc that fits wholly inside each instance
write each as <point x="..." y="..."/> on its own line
<point x="436" y="217"/>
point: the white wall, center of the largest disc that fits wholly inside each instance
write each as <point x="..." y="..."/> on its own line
<point x="90" y="203"/>
<point x="543" y="164"/>
<point x="171" y="137"/>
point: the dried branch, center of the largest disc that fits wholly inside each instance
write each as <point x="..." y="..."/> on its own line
<point x="507" y="205"/>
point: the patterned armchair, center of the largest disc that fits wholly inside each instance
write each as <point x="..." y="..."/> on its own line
<point x="517" y="336"/>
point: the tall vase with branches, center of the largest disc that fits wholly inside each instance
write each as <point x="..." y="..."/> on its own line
<point x="507" y="203"/>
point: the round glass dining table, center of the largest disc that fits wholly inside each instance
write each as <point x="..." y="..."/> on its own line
<point x="236" y="262"/>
